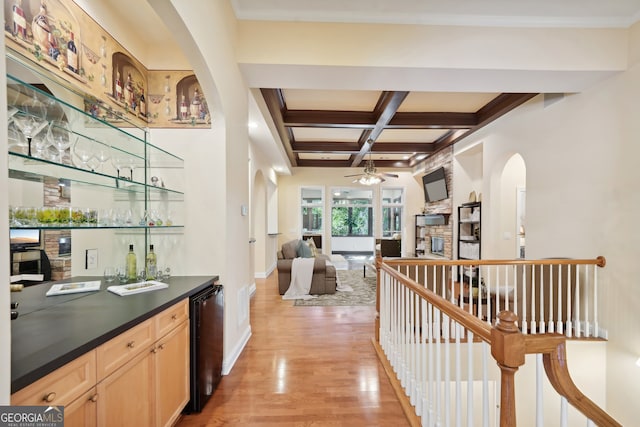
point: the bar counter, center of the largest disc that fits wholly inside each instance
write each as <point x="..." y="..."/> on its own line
<point x="52" y="331"/>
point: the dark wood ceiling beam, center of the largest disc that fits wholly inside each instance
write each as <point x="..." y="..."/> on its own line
<point x="324" y="146"/>
<point x="493" y="110"/>
<point x="324" y="163"/>
<point x="402" y="147"/>
<point x="274" y="100"/>
<point x="352" y="147"/>
<point x="386" y="108"/>
<point x="433" y="120"/>
<point x="329" y="119"/>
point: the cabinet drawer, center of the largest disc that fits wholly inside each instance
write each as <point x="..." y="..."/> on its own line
<point x="117" y="351"/>
<point x="61" y="386"/>
<point x="171" y="317"/>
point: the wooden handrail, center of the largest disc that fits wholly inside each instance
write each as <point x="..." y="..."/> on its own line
<point x="479" y="327"/>
<point x="599" y="261"/>
<point x="509" y="347"/>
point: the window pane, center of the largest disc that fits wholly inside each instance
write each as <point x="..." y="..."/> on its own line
<point x="360" y="223"/>
<point x="391" y="221"/>
<point x="312" y="219"/>
<point x="391" y="196"/>
<point x="339" y="221"/>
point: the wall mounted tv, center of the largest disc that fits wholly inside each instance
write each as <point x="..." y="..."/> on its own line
<point x="435" y="185"/>
<point x="22" y="240"/>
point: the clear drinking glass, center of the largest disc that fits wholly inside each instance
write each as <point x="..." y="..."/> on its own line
<point x="110" y="274"/>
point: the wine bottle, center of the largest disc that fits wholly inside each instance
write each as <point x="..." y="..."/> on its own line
<point x="151" y="264"/>
<point x="184" y="110"/>
<point x="132" y="273"/>
<point x="19" y="22"/>
<point x="118" y="93"/>
<point x="72" y="54"/>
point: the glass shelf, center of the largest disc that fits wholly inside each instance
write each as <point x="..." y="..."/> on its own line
<point x="28" y="168"/>
<point x="99" y="227"/>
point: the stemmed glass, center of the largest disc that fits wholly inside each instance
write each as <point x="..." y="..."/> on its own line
<point x="29" y="125"/>
<point x="16" y="140"/>
<point x="82" y="150"/>
<point x="61" y="137"/>
<point x="102" y="154"/>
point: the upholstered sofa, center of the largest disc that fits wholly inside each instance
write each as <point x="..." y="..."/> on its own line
<point x="323" y="280"/>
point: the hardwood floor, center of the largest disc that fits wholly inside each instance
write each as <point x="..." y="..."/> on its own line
<point x="304" y="366"/>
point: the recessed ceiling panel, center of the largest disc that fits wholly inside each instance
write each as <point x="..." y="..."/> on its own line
<point x="411" y="135"/>
<point x="344" y="100"/>
<point x="326" y="134"/>
<point x="450" y="102"/>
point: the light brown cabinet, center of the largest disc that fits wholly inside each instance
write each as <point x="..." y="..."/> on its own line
<point x="172" y="374"/>
<point x="140" y="377"/>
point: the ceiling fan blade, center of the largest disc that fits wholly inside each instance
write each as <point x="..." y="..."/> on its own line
<point x="358" y="174"/>
<point x="389" y="175"/>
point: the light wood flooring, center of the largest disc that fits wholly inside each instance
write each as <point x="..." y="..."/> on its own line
<point x="304" y="366"/>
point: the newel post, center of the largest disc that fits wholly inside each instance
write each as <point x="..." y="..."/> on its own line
<point x="508" y="348"/>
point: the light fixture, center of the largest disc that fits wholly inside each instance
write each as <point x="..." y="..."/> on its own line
<point x="369" y="180"/>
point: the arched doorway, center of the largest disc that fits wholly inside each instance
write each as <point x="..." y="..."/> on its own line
<point x="258" y="231"/>
<point x="511" y="209"/>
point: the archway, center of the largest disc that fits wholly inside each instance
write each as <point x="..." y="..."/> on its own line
<point x="511" y="209"/>
<point x="258" y="226"/>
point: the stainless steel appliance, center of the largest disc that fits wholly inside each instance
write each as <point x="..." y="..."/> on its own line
<point x="206" y="311"/>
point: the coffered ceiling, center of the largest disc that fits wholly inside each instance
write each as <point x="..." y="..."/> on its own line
<point x="399" y="128"/>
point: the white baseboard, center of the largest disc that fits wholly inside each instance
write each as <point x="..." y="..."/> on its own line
<point x="230" y="360"/>
<point x="265" y="274"/>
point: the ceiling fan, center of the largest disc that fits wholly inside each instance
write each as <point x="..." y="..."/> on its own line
<point x="371" y="176"/>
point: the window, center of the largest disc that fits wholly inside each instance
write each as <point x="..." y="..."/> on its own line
<point x="352" y="213"/>
<point x="392" y="205"/>
<point x="312" y="209"/>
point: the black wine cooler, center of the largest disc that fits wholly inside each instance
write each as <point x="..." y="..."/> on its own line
<point x="206" y="311"/>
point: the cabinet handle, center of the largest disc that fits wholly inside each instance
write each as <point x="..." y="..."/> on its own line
<point x="154" y="350"/>
<point x="161" y="346"/>
<point x="131" y="344"/>
<point x="174" y="317"/>
<point x="49" y="397"/>
<point x="94" y="398"/>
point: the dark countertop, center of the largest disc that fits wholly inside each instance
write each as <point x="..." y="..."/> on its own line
<point x="52" y="331"/>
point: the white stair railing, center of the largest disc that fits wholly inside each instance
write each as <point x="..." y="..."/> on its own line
<point x="437" y="335"/>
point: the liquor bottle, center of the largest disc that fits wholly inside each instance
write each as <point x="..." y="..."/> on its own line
<point x="151" y="264"/>
<point x="19" y="21"/>
<point x="72" y="54"/>
<point x="132" y="273"/>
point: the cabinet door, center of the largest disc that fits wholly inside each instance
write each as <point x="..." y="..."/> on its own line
<point x="82" y="412"/>
<point x="126" y="397"/>
<point x="172" y="374"/>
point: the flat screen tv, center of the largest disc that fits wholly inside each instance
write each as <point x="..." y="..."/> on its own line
<point x="21" y="240"/>
<point x="435" y="185"/>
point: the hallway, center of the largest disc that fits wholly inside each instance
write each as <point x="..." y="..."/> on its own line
<point x="303" y="366"/>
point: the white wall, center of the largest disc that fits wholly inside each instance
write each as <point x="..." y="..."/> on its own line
<point x="582" y="201"/>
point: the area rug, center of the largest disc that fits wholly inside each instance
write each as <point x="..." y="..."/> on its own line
<point x="364" y="291"/>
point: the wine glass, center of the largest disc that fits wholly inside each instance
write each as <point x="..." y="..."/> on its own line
<point x="29" y="125"/>
<point x="16" y="140"/>
<point x="82" y="150"/>
<point x="102" y="153"/>
<point x="60" y="137"/>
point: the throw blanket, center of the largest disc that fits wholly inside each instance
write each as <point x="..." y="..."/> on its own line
<point x="301" y="274"/>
